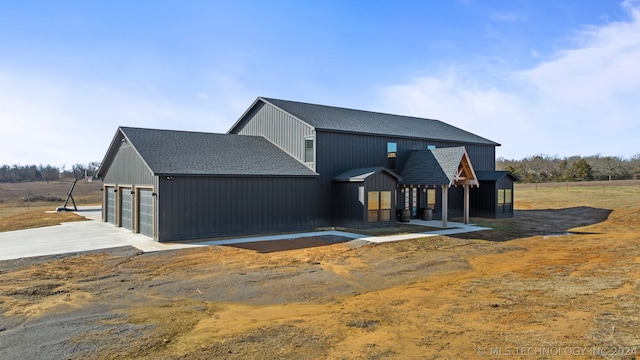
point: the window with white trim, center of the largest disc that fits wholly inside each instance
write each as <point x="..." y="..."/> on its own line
<point x="308" y="149"/>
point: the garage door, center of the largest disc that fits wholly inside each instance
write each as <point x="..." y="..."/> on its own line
<point x="111" y="204"/>
<point x="125" y="208"/>
<point x="145" y="214"/>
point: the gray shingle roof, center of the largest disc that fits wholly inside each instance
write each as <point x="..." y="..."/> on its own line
<point x="494" y="175"/>
<point x="359" y="121"/>
<point x="432" y="167"/>
<point x="169" y="152"/>
<point x="449" y="160"/>
<point x="356" y="175"/>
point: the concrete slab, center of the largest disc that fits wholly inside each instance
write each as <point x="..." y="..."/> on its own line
<point x="454" y="228"/>
<point x="95" y="235"/>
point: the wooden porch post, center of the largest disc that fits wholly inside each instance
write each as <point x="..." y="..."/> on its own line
<point x="466" y="204"/>
<point x="445" y="205"/>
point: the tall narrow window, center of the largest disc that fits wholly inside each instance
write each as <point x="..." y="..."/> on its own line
<point x="414" y="202"/>
<point x="308" y="149"/>
<point x="392" y="152"/>
<point x="373" y="206"/>
<point x="431" y="199"/>
<point x="385" y="205"/>
<point x="500" y="197"/>
<point x="507" y="196"/>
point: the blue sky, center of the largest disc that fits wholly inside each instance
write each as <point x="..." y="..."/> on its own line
<point x="540" y="77"/>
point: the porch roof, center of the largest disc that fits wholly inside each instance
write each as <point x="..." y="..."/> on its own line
<point x="441" y="166"/>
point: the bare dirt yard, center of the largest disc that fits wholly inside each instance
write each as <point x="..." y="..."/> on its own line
<point x="559" y="280"/>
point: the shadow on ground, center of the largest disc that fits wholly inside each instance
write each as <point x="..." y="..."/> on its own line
<point x="526" y="223"/>
<point x="270" y="246"/>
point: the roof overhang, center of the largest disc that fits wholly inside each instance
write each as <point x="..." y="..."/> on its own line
<point x="360" y="174"/>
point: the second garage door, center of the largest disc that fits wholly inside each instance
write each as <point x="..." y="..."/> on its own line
<point x="126" y="203"/>
<point x="145" y="212"/>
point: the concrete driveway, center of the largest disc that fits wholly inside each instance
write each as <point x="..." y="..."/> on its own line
<point x="95" y="235"/>
<point x="75" y="237"/>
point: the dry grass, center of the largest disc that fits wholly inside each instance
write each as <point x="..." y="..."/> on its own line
<point x="430" y="298"/>
<point x="36" y="218"/>
<point x="601" y="194"/>
<point x="23" y="205"/>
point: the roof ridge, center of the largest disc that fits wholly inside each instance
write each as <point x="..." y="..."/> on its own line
<point x="176" y="131"/>
<point x="353" y="109"/>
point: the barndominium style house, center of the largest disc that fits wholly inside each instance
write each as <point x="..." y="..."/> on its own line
<point x="291" y="166"/>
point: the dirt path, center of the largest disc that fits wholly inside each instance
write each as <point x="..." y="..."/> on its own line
<point x="431" y="298"/>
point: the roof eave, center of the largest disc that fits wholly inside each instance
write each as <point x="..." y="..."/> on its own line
<point x="239" y="175"/>
<point x="488" y="143"/>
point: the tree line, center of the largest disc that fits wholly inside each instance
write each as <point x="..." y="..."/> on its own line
<point x="27" y="173"/>
<point x="545" y="168"/>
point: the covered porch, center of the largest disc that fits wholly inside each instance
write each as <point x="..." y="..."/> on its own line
<point x="442" y="168"/>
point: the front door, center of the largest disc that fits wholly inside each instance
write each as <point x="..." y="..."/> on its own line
<point x="411" y="201"/>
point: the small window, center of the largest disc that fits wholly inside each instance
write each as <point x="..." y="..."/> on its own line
<point x="308" y="149"/>
<point x="431" y="147"/>
<point x="507" y="196"/>
<point x="500" y="197"/>
<point x="392" y="152"/>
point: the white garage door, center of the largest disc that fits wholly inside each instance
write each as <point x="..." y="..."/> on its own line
<point x="145" y="214"/>
<point x="126" y="203"/>
<point x="111" y="204"/>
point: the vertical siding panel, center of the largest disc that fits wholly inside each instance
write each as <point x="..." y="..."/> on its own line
<point x="281" y="129"/>
<point x="128" y="168"/>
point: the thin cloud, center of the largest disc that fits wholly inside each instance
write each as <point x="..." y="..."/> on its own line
<point x="507" y="17"/>
<point x="51" y="120"/>
<point x="582" y="101"/>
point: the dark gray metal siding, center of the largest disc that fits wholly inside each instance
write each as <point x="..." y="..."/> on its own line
<point x="349" y="211"/>
<point x="506" y="182"/>
<point x="483" y="158"/>
<point x="201" y="207"/>
<point x="338" y="152"/>
<point x="128" y="168"/>
<point x="284" y="130"/>
<point x="484" y="200"/>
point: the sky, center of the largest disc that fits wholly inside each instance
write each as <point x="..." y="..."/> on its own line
<point x="553" y="77"/>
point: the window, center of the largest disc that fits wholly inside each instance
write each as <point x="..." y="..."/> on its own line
<point x="431" y="199"/>
<point x="431" y="147"/>
<point x="385" y="205"/>
<point x="373" y="206"/>
<point x="507" y="196"/>
<point x="500" y="197"/>
<point x="406" y="198"/>
<point x="414" y="202"/>
<point x="308" y="149"/>
<point x="392" y="151"/>
<point x="379" y="206"/>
